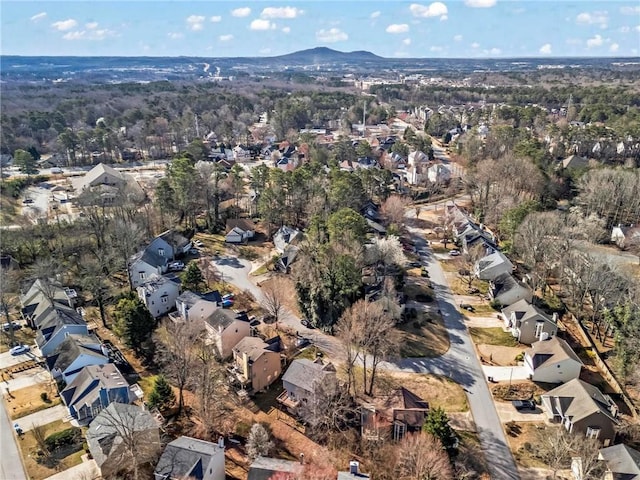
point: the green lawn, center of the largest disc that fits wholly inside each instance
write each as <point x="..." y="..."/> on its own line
<point x="492" y="336"/>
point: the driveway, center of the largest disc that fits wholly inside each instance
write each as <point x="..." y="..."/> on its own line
<point x="28" y="378"/>
<point x="87" y="470"/>
<point x="43" y="417"/>
<point x="7" y="360"/>
<point x="504" y="374"/>
<point x="508" y="413"/>
<point x="11" y="467"/>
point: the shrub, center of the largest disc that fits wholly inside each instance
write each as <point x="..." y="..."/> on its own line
<point x="242" y="429"/>
<point x="416" y="325"/>
<point x="44" y="397"/>
<point x="60" y="439"/>
<point x="520" y="357"/>
<point x="495" y="304"/>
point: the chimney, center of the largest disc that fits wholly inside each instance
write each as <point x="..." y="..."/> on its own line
<point x="302" y="459"/>
<point x="354" y="467"/>
<point x="555" y="317"/>
<point x="221" y="442"/>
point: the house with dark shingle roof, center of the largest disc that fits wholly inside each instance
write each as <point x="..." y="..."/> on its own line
<point x="239" y="230"/>
<point x="492" y="266"/>
<point x="307" y="383"/>
<point x="114" y="430"/>
<point x="393" y="416"/>
<point x="507" y="290"/>
<point x="621" y="463"/>
<point x="582" y="409"/>
<point x="73" y="354"/>
<point x="528" y="323"/>
<point x="56" y="324"/>
<point x="552" y="361"/>
<point x="190" y="458"/>
<point x="155" y="258"/>
<point x="266" y="468"/>
<point x="257" y="363"/>
<point x="93" y="389"/>
<point x="225" y="328"/>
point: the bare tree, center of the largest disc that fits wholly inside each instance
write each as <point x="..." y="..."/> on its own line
<point x="467" y="261"/>
<point x="393" y="210"/>
<point x="422" y="457"/>
<point x="385" y="251"/>
<point x="39" y="433"/>
<point x="258" y="442"/>
<point x="211" y="390"/>
<point x="586" y="453"/>
<point x="273" y="299"/>
<point x="554" y="448"/>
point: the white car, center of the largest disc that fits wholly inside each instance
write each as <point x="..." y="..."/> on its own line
<point x="19" y="350"/>
<point x="57" y="170"/>
<point x="454" y="253"/>
<point x="176" y="266"/>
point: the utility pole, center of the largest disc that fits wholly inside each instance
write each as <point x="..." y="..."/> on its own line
<point x="364" y="117"/>
<point x="197" y="126"/>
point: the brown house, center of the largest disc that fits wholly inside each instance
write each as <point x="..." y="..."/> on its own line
<point x="394" y="416"/>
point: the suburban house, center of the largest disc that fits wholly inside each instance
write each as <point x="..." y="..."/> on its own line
<point x="174" y="241"/>
<point x="439" y="173"/>
<point x="93" y="389"/>
<point x="190" y="458"/>
<point x="507" y="290"/>
<point x="582" y="408"/>
<point x="42" y="295"/>
<point x="416" y="158"/>
<point x="626" y="236"/>
<point x="394" y="416"/>
<point x="307" y="384"/>
<point x="55" y="324"/>
<point x="266" y="468"/>
<point x="621" y="462"/>
<point x="286" y="237"/>
<point x="193" y="306"/>
<point x="492" y="266"/>
<point x="225" y="328"/>
<point x="416" y="174"/>
<point x="528" y="323"/>
<point x="110" y="449"/>
<point x="354" y="472"/>
<point x="107" y="181"/>
<point x="73" y="354"/>
<point x="552" y="361"/>
<point x="159" y="294"/>
<point x="573" y="162"/>
<point x="256" y="363"/>
<point x="239" y="230"/>
<point x="155" y="258"/>
<point x="483" y="238"/>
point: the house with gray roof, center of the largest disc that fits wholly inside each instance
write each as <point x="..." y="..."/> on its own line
<point x="190" y="458"/>
<point x="492" y="266"/>
<point x="121" y="434"/>
<point x="528" y="323"/>
<point x="73" y="354"/>
<point x="285" y="237"/>
<point x="192" y="306"/>
<point x="93" y="389"/>
<point x="55" y="324"/>
<point x="159" y="294"/>
<point x="552" y="361"/>
<point x="40" y="296"/>
<point x="107" y="181"/>
<point x="582" y="409"/>
<point x="307" y="384"/>
<point x="155" y="258"/>
<point x="225" y="328"/>
<point x="621" y="462"/>
<point x="507" y="290"/>
<point x="256" y="363"/>
<point x="265" y="468"/>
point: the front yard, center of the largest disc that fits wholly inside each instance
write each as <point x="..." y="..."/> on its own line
<point x="424" y="336"/>
<point x="26" y="401"/>
<point x="492" y="336"/>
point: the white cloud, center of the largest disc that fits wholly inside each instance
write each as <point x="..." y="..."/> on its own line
<point x="480" y="3"/>
<point x="594" y="18"/>
<point x="435" y="49"/>
<point x="444" y="18"/>
<point x="475" y="45"/>
<point x="637" y="28"/>
<point x="216" y="19"/>
<point x="225" y="38"/>
<point x="630" y="10"/>
<point x="625" y="29"/>
<point x="286" y="29"/>
<point x="195" y="22"/>
<point x="64" y="25"/>
<point x="397" y="28"/>
<point x="241" y="12"/>
<point x="264" y="51"/>
<point x="38" y="16"/>
<point x="545" y="49"/>
<point x="261" y="24"/>
<point x="457" y="38"/>
<point x="435" y="9"/>
<point x="614" y="47"/>
<point x="494" y="51"/>
<point x="331" y="35"/>
<point x="175" y="35"/>
<point x="375" y="14"/>
<point x="91" y="25"/>
<point x="594" y="42"/>
<point x="407" y="41"/>
<point x="281" y="12"/>
<point x="89" y="34"/>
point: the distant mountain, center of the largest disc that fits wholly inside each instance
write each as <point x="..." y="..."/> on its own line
<point x="327" y="55"/>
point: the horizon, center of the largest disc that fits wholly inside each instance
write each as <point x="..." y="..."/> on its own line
<point x="455" y="29"/>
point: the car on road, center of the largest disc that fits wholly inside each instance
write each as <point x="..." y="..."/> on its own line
<point x="57" y="170"/>
<point x="176" y="266"/>
<point x="306" y="323"/>
<point x="523" y="405"/>
<point x="19" y="350"/>
<point x="454" y="253"/>
<point x="27" y="201"/>
<point x="7" y="326"/>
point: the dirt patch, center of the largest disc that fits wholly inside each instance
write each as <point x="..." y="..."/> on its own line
<point x="425" y="336"/>
<point x="23" y="336"/>
<point x="286" y="286"/>
<point x="522" y="438"/>
<point x="495" y="355"/>
<point x="26" y="401"/>
<point x="519" y="390"/>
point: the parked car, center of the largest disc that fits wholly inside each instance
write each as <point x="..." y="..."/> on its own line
<point x="413" y="264"/>
<point x="27" y="201"/>
<point x="466" y="306"/>
<point x="524" y="404"/>
<point x="57" y="170"/>
<point x="227" y="303"/>
<point x="194" y="251"/>
<point x="454" y="253"/>
<point x="7" y="326"/>
<point x="19" y="350"/>
<point x="176" y="266"/>
<point x="306" y="323"/>
<point x="228" y="296"/>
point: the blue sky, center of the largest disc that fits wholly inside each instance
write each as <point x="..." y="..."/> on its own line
<point x="394" y="28"/>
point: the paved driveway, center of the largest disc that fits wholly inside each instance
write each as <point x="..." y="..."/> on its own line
<point x="11" y="467"/>
<point x="504" y="374"/>
<point x="43" y="417"/>
<point x="508" y="413"/>
<point x="7" y="360"/>
<point x="85" y="471"/>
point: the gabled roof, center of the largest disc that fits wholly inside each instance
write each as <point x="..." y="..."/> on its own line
<point x="407" y="407"/>
<point x="222" y="318"/>
<point x="56" y="316"/>
<point x="243" y="223"/>
<point x="86" y="386"/>
<point x="524" y="311"/>
<point x="263" y="468"/>
<point x="505" y="283"/>
<point x="189" y="298"/>
<point x="306" y="375"/>
<point x="575" y="161"/>
<point x="492" y="260"/>
<point x="551" y="351"/>
<point x="285" y="236"/>
<point x="175" y="239"/>
<point x="622" y="461"/>
<point x="71" y="348"/>
<point x="254" y="347"/>
<point x="577" y="399"/>
<point x="187" y="457"/>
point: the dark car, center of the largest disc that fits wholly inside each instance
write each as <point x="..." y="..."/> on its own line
<point x="414" y="264"/>
<point x="524" y="404"/>
<point x="467" y="307"/>
<point x="306" y="323"/>
<point x="27" y="201"/>
<point x="424" y="272"/>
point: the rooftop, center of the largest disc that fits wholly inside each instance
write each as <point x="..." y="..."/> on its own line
<point x="551" y="350"/>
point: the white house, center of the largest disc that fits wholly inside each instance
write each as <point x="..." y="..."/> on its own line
<point x="286" y="236"/>
<point x="159" y="294"/>
<point x="439" y="173"/>
<point x="417" y="158"/>
<point x="492" y="266"/>
<point x="528" y="323"/>
<point x="75" y="353"/>
<point x="225" y="328"/>
<point x="552" y="361"/>
<point x="192" y="306"/>
<point x="507" y="290"/>
<point x="240" y="153"/>
<point x="239" y="230"/>
<point x="187" y="457"/>
<point x="626" y="236"/>
<point x="416" y="174"/>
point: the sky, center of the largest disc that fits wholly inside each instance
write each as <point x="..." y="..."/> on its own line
<point x="393" y="28"/>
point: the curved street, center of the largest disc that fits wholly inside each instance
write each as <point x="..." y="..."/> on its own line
<point x="460" y="362"/>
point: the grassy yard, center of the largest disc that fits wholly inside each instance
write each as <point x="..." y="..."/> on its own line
<point x="26" y="401"/>
<point x="425" y="336"/>
<point x="212" y="244"/>
<point x="310" y="353"/>
<point x="480" y="310"/>
<point x="147" y="384"/>
<point x="522" y="438"/>
<point x="492" y="336"/>
<point x="61" y="459"/>
<point x="460" y="287"/>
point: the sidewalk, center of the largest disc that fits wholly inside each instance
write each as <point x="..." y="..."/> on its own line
<point x="43" y="417"/>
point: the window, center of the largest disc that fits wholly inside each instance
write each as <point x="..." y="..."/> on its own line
<point x="163" y="299"/>
<point x="539" y="328"/>
<point x="142" y="275"/>
<point x="593" y="432"/>
<point x="161" y="252"/>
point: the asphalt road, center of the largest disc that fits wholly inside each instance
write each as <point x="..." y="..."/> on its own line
<point x="10" y="464"/>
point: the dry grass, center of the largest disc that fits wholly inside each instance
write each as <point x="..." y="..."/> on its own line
<point x="288" y="290"/>
<point x="26" y="401"/>
<point x="523" y="435"/>
<point x="24" y="335"/>
<point x="62" y="460"/>
<point x="492" y="336"/>
<point x="425" y="336"/>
